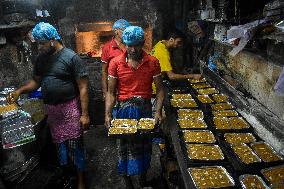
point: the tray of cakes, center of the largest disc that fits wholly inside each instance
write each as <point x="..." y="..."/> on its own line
<point x="265" y="152"/>
<point x="197" y="80"/>
<point x="204" y="99"/>
<point x="206" y="177"/>
<point x="274" y="176"/>
<point x="218" y="98"/>
<point x="200" y="85"/>
<point x="183" y="103"/>
<point x="197" y="123"/>
<point x="207" y="91"/>
<point x="198" y="136"/>
<point x="252" y="182"/>
<point x="190" y="114"/>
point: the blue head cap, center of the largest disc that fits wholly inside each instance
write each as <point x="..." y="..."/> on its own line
<point x="120" y="24"/>
<point x="45" y="31"/>
<point x="133" y="35"/>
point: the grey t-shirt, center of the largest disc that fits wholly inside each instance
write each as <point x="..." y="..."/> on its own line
<point x="58" y="74"/>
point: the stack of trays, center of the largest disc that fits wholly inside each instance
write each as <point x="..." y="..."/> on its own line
<point x="5" y="108"/>
<point x="229" y="148"/>
<point x="206" y="177"/>
<point x="123" y="126"/>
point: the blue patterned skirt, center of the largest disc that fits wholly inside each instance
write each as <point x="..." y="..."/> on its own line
<point x="134" y="153"/>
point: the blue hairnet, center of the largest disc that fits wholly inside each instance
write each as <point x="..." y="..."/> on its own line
<point x="133" y="35"/>
<point x="45" y="31"/>
<point x="120" y="24"/>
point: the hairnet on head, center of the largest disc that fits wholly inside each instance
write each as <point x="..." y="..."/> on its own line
<point x="133" y="35"/>
<point x="120" y="24"/>
<point x="45" y="31"/>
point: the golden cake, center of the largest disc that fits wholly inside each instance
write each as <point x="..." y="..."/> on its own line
<point x="197" y="80"/>
<point x="238" y="123"/>
<point x="222" y="106"/>
<point x="236" y="138"/>
<point x="146" y="123"/>
<point x="211" y="177"/>
<point x="245" y="153"/>
<point x="7" y="108"/>
<point x="198" y="136"/>
<point x="192" y="123"/>
<point x="275" y="175"/>
<point x="252" y="182"/>
<point x="200" y="85"/>
<point x="204" y="152"/>
<point x="221" y="123"/>
<point x="225" y="113"/>
<point x="190" y="114"/>
<point x="205" y="99"/>
<point x="122" y="130"/>
<point x="124" y="123"/>
<point x="183" y="103"/>
<point x="181" y="96"/>
<point x="220" y="98"/>
<point x="207" y="91"/>
<point x="265" y="152"/>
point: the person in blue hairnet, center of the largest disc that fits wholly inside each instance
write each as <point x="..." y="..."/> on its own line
<point x="129" y="97"/>
<point x="112" y="49"/>
<point x="62" y="76"/>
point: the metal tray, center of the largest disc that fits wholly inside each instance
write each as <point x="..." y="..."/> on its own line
<point x="192" y="123"/>
<point x="216" y="147"/>
<point x="281" y="167"/>
<point x="197" y="80"/>
<point x="183" y="103"/>
<point x="149" y="121"/>
<point x="216" y="98"/>
<point x="210" y="134"/>
<point x="239" y="158"/>
<point x="181" y="96"/>
<point x="231" y="182"/>
<point x="190" y="114"/>
<point x="204" y="99"/>
<point x="200" y="85"/>
<point x="242" y="141"/>
<point x="272" y="150"/>
<point x="225" y="113"/>
<point x="222" y="106"/>
<point x="207" y="91"/>
<point x="242" y="177"/>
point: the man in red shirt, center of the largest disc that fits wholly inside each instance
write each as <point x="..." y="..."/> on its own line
<point x="112" y="49"/>
<point x="130" y="77"/>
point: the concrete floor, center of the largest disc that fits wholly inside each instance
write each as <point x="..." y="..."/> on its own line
<point x="102" y="158"/>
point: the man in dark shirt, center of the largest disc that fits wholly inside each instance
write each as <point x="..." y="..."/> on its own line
<point x="62" y="76"/>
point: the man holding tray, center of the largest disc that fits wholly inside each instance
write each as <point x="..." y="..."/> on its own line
<point x="131" y="74"/>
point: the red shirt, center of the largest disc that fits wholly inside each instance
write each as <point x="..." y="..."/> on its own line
<point x="134" y="82"/>
<point x="110" y="50"/>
